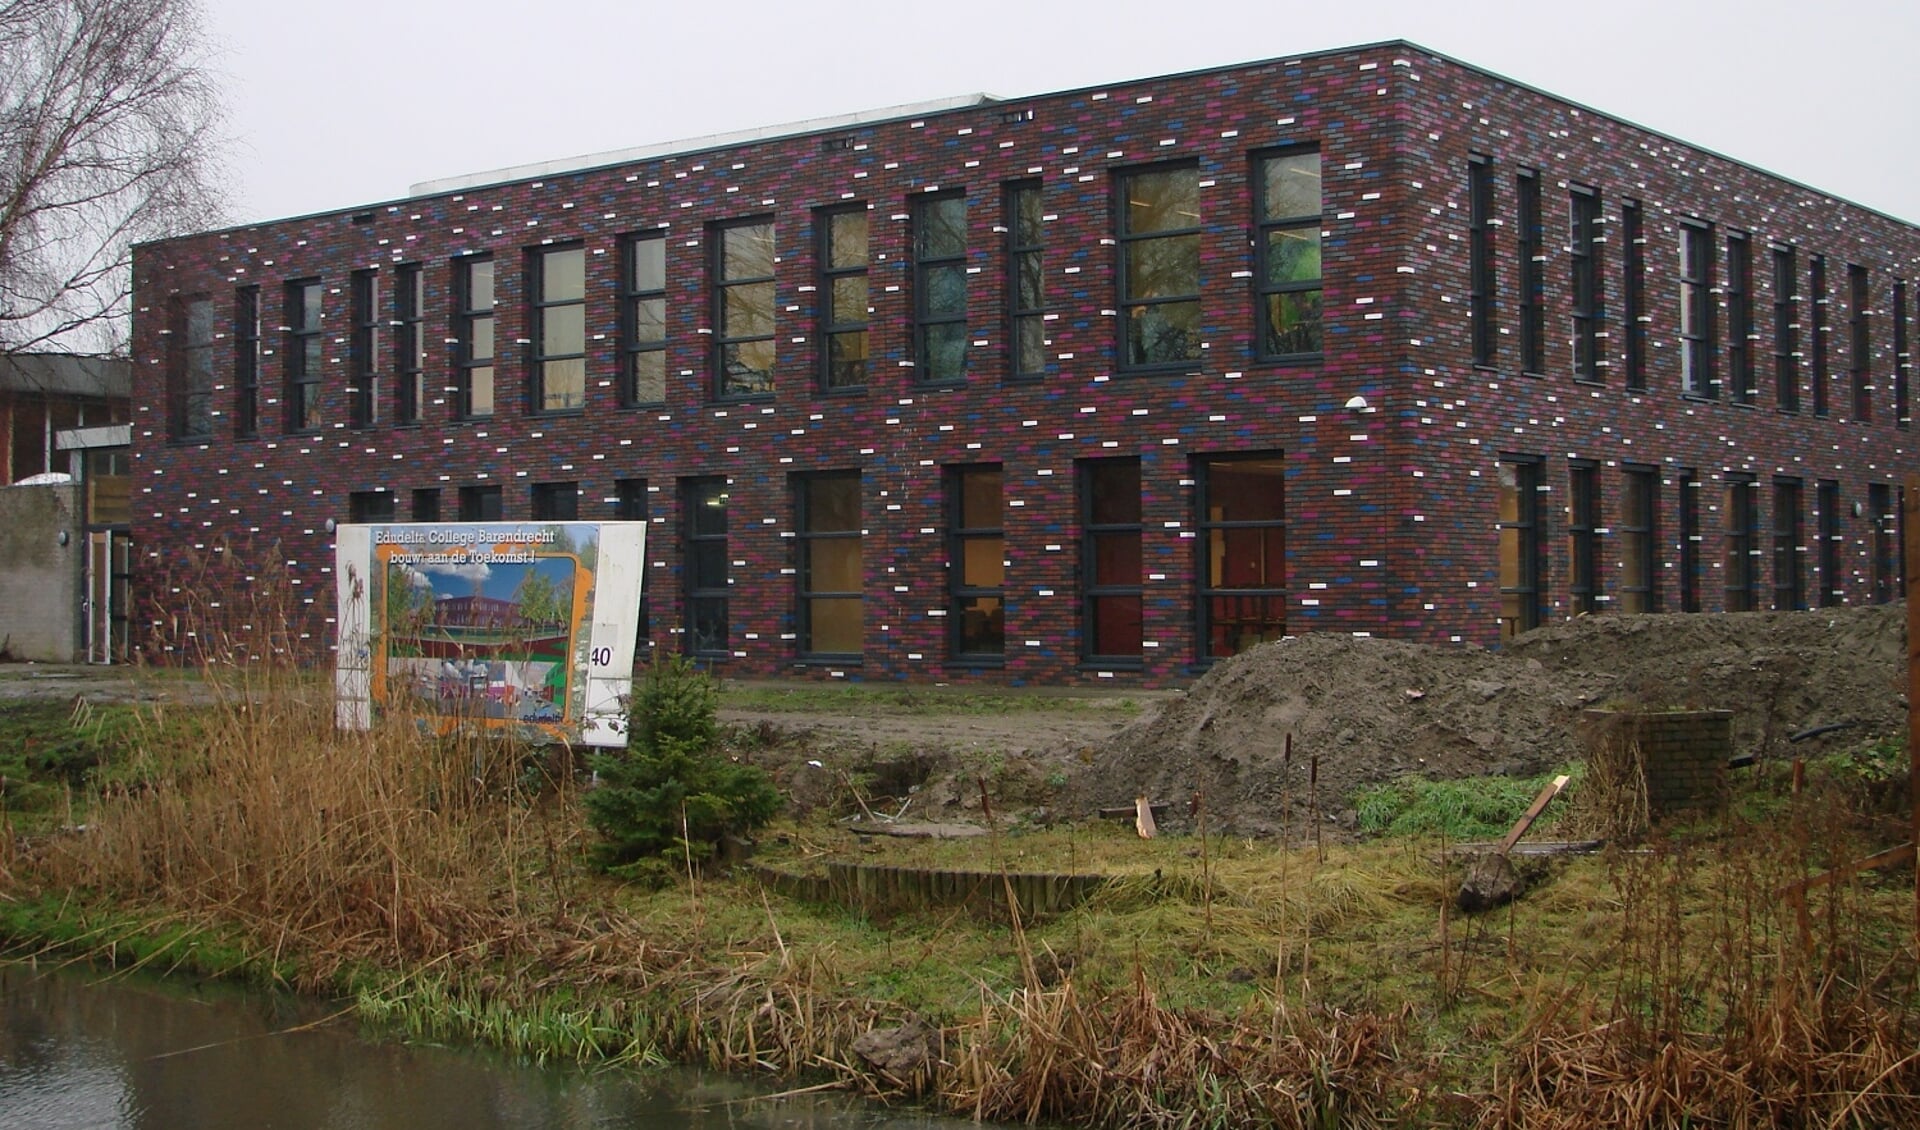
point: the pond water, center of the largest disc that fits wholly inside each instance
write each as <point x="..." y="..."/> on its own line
<point x="79" y="1048"/>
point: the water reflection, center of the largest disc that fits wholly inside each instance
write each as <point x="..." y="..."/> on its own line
<point x="80" y="1050"/>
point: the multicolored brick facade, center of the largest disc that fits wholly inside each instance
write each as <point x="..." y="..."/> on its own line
<point x="1391" y="439"/>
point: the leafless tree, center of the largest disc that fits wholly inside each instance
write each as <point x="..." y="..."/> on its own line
<point x="109" y="135"/>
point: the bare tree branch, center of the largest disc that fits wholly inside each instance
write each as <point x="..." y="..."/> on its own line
<point x="109" y="136"/>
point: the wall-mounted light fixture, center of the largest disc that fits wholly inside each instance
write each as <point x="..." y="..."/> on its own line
<point x="63" y="537"/>
<point x="1356" y="404"/>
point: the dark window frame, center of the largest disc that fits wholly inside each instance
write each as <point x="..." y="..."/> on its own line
<point x="1529" y="587"/>
<point x="840" y="374"/>
<point x="806" y="539"/>
<point x="1699" y="377"/>
<point x="1270" y="292"/>
<point x="363" y="349"/>
<point x="1742" y="545"/>
<point x="1586" y="240"/>
<point x="1639" y="582"/>
<point x="1134" y="308"/>
<point x="1902" y="358"/>
<point x="542" y="306"/>
<point x="305" y="367"/>
<point x="1530" y="240"/>
<point x="1789" y="574"/>
<point x="1860" y="340"/>
<point x="745" y="384"/>
<point x="1817" y="283"/>
<point x="190" y="408"/>
<point x="1832" y="535"/>
<point x="1093" y="590"/>
<point x="371" y="507"/>
<point x="482" y="502"/>
<point x="424" y="506"/>
<point x="705" y="606"/>
<point x="962" y="596"/>
<point x="1026" y="258"/>
<point x="409" y="343"/>
<point x="467" y="318"/>
<point x="1740" y="326"/>
<point x="1633" y="292"/>
<point x="630" y="504"/>
<point x="1482" y="273"/>
<point x="1786" y="329"/>
<point x="1691" y="542"/>
<point x="556" y="501"/>
<point x="246" y="362"/>
<point x="1584" y="592"/>
<point x="927" y="265"/>
<point x="637" y="350"/>
<point x="1880" y="505"/>
<point x="1258" y="598"/>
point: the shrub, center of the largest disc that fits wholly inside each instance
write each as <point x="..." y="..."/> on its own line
<point x="671" y="795"/>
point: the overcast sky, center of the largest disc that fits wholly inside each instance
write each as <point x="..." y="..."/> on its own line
<point x="349" y="102"/>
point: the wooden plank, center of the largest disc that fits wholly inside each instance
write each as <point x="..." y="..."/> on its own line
<point x="1143" y="819"/>
<point x="1885" y="858"/>
<point x="1534" y="810"/>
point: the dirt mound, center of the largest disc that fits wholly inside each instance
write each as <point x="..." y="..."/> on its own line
<point x="1372" y="710"/>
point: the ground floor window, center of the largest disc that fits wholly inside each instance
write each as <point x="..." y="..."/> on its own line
<point x="1742" y="543"/>
<point x="1880" y="502"/>
<point x="1522" y="572"/>
<point x="426" y="504"/>
<point x="1833" y="586"/>
<point x="1583" y="536"/>
<point x="556" y="502"/>
<point x="1789" y="591"/>
<point x="374" y="506"/>
<point x="1242" y="505"/>
<point x="479" y="504"/>
<point x="1637" y="534"/>
<point x="831" y="578"/>
<point x="1689" y="541"/>
<point x="704" y="571"/>
<point x="1111" y="529"/>
<point x="630" y="505"/>
<point x="976" y="565"/>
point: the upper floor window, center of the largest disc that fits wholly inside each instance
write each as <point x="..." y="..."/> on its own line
<point x="363" y="395"/>
<point x="1289" y="253"/>
<point x="1860" y="342"/>
<point x="410" y="342"/>
<point x="1026" y="283"/>
<point x="940" y="288"/>
<point x="1160" y="267"/>
<point x="1633" y="291"/>
<point x="190" y="370"/>
<point x="246" y="361"/>
<point x="1739" y="298"/>
<point x="1481" y="280"/>
<point x="743" y="294"/>
<point x="560" y="330"/>
<point x="1532" y="247"/>
<point x="1583" y="244"/>
<point x="843" y="296"/>
<point x="1817" y="283"/>
<point x="1902" y="358"/>
<point x="1696" y="310"/>
<point x="1786" y="330"/>
<point x="473" y="331"/>
<point x="643" y="294"/>
<point x="305" y="355"/>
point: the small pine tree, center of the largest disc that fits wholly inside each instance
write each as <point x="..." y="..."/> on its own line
<point x="670" y="794"/>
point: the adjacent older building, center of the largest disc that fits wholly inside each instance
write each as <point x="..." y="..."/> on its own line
<point x="1104" y="384"/>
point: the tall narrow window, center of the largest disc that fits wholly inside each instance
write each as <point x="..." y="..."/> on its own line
<point x="1243" y="537"/>
<point x="1789" y="588"/>
<point x="1533" y="274"/>
<point x="1690" y="541"/>
<point x="560" y="330"/>
<point x="940" y="288"/>
<point x="246" y="361"/>
<point x="843" y="296"/>
<point x="410" y="343"/>
<point x="1902" y="357"/>
<point x="704" y="572"/>
<point x="1026" y="281"/>
<point x="1786" y="330"/>
<point x="363" y="351"/>
<point x="305" y="354"/>
<point x="1633" y="292"/>
<point x="555" y="502"/>
<point x="190" y="369"/>
<point x="1817" y="282"/>
<point x="370" y="506"/>
<point x="1482" y="283"/>
<point x="743" y="309"/>
<point x="643" y="312"/>
<point x="630" y="505"/>
<point x="1638" y="533"/>
<point x="1860" y="342"/>
<point x="1880" y="502"/>
<point x="426" y="504"/>
<point x="1160" y="267"/>
<point x="473" y="327"/>
<point x="1742" y="543"/>
<point x="1583" y="536"/>
<point x="480" y="504"/>
<point x="1739" y="299"/>
<point x="1584" y="243"/>
<point x="1833" y="584"/>
<point x="830" y="574"/>
<point x="1289" y="252"/>
<point x="976" y="565"/>
<point x="1111" y="531"/>
<point x="1696" y="310"/>
<point x="1522" y="573"/>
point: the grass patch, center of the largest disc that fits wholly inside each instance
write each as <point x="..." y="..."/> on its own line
<point x="1473" y="808"/>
